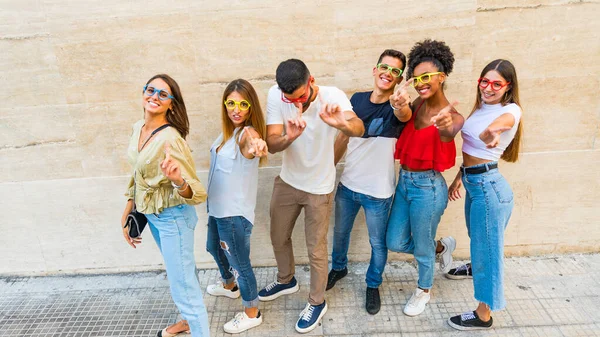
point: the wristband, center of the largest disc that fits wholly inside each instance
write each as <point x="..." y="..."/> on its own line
<point x="178" y="187"/>
<point x="393" y="108"/>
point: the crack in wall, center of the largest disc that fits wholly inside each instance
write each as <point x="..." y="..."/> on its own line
<point x="32" y="144"/>
<point x="494" y="9"/>
<point x="24" y="37"/>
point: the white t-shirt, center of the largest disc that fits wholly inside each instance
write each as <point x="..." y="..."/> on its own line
<point x="479" y="121"/>
<point x="308" y="161"/>
<point x="370" y="166"/>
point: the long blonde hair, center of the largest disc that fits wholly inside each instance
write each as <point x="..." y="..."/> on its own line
<point x="507" y="70"/>
<point x="255" y="118"/>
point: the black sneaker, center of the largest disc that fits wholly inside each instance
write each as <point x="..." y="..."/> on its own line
<point x="373" y="301"/>
<point x="469" y="321"/>
<point x="462" y="272"/>
<point x="334" y="276"/>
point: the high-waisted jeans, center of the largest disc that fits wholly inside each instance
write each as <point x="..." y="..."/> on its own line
<point x="228" y="241"/>
<point x="173" y="231"/>
<point x="488" y="206"/>
<point x="419" y="202"/>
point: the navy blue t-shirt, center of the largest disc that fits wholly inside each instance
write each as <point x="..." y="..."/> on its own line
<point x="379" y="119"/>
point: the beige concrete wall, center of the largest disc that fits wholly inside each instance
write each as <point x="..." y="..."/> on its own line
<point x="71" y="75"/>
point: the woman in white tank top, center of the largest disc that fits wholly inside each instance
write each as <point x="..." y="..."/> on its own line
<point x="232" y="188"/>
<point x="492" y="131"/>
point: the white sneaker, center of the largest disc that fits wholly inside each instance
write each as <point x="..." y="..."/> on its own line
<point x="416" y="303"/>
<point x="218" y="289"/>
<point x="446" y="255"/>
<point x="241" y="322"/>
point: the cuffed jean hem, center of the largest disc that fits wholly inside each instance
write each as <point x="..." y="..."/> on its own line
<point x="229" y="280"/>
<point x="250" y="304"/>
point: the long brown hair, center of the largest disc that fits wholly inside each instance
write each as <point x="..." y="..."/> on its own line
<point x="507" y="70"/>
<point x="255" y="118"/>
<point x="177" y="115"/>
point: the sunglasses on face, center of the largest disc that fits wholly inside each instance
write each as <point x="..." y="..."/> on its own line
<point x="231" y="104"/>
<point x="495" y="85"/>
<point x="301" y="99"/>
<point x="163" y="94"/>
<point x="384" y="68"/>
<point x="424" y="78"/>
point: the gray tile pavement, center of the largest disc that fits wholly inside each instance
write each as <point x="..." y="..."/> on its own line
<point x="546" y="296"/>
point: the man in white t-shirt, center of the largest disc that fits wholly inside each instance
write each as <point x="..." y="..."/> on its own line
<point x="302" y="122"/>
<point x="369" y="177"/>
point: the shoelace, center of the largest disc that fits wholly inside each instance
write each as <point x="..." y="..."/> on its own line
<point x="271" y="286"/>
<point x="467" y="316"/>
<point x="306" y="314"/>
<point x="463" y="267"/>
<point x="239" y="317"/>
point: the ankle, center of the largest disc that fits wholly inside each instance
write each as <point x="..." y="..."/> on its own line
<point x="251" y="312"/>
<point x="439" y="247"/>
<point x="229" y="286"/>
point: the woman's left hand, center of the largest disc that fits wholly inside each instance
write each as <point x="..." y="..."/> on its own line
<point x="443" y="120"/>
<point x="170" y="167"/>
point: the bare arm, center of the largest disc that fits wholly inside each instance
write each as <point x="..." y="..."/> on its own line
<point x="491" y="135"/>
<point x="339" y="147"/>
<point x="399" y="102"/>
<point x="354" y="126"/>
<point x="276" y="140"/>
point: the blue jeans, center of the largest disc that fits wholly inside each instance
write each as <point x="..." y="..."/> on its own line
<point x="488" y="206"/>
<point x="173" y="231"/>
<point x="228" y="241"/>
<point x="419" y="202"/>
<point x="347" y="205"/>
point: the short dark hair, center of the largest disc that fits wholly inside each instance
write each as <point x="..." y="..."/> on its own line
<point x="393" y="53"/>
<point x="436" y="52"/>
<point x="291" y="75"/>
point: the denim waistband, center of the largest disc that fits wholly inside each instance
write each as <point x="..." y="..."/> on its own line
<point x="419" y="175"/>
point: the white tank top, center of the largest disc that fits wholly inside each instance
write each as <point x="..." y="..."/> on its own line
<point x="479" y="121"/>
<point x="232" y="181"/>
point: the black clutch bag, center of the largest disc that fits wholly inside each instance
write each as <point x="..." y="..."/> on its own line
<point x="136" y="222"/>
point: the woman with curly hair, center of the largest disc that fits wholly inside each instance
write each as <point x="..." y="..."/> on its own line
<point x="492" y="131"/>
<point x="425" y="149"/>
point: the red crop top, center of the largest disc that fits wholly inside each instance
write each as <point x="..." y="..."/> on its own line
<point x="423" y="149"/>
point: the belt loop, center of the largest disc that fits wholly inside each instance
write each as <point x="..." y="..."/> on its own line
<point x="462" y="170"/>
<point x="487" y="167"/>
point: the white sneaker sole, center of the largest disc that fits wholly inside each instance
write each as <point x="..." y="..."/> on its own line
<point x="457" y="277"/>
<point x="230" y="294"/>
<point x="312" y="327"/>
<point x="281" y="293"/>
<point x="254" y="325"/>
<point x="467" y="328"/>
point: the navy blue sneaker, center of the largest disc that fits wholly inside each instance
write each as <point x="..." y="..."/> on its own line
<point x="276" y="289"/>
<point x="310" y="317"/>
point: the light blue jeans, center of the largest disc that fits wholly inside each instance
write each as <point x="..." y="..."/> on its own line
<point x="173" y="231"/>
<point x="228" y="241"/>
<point x="419" y="202"/>
<point x="347" y="205"/>
<point x="488" y="206"/>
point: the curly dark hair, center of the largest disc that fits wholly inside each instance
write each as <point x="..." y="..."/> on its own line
<point x="436" y="52"/>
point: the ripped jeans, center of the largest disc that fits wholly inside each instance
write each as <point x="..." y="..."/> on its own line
<point x="228" y="241"/>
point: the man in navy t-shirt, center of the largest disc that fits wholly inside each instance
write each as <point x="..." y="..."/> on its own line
<point x="369" y="176"/>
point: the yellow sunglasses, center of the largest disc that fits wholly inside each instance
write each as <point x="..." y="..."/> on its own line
<point x="424" y="78"/>
<point x="243" y="104"/>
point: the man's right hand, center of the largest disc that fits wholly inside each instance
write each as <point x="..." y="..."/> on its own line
<point x="295" y="126"/>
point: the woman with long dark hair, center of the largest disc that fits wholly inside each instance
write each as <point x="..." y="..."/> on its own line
<point x="492" y="131"/>
<point x="165" y="188"/>
<point x="232" y="188"/>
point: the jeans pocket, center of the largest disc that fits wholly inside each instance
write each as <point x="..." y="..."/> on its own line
<point x="424" y="183"/>
<point x="188" y="215"/>
<point x="247" y="226"/>
<point x="502" y="191"/>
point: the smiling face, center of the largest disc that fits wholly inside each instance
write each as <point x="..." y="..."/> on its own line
<point x="384" y="80"/>
<point x="435" y="82"/>
<point x="153" y="104"/>
<point x="488" y="95"/>
<point x="237" y="116"/>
